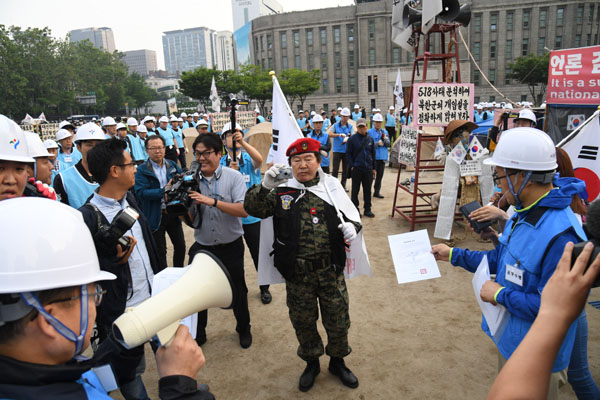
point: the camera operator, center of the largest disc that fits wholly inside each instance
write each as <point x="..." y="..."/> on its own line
<point x="48" y="309"/>
<point x="112" y="166"/>
<point x="216" y="216"/>
<point x="150" y="181"/>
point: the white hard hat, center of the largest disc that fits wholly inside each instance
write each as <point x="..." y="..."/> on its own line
<point x="108" y="121"/>
<point x="339" y="108"/>
<point x="479" y="107"/>
<point x="164" y="118"/>
<point x="179" y="119"/>
<point x="63" y="134"/>
<point x="377" y="110"/>
<point x="373" y="110"/>
<point x="183" y="115"/>
<point x="64" y="260"/>
<point x="300" y="111"/>
<point x="392" y="108"/>
<point x="526" y="149"/>
<point x="377" y="118"/>
<point x="132" y="121"/>
<point x="62" y="124"/>
<point x="195" y="114"/>
<point x="345" y="112"/>
<point x="317" y="118"/>
<point x="227" y="127"/>
<point x="142" y="128"/>
<point x="121" y="125"/>
<point x="173" y="119"/>
<point x="89" y="131"/>
<point x="202" y="122"/>
<point x="13" y="145"/>
<point x="356" y="106"/>
<point x="527" y="114"/>
<point x="312" y="113"/>
<point x="50" y="144"/>
<point x="508" y="106"/>
<point x="35" y="145"/>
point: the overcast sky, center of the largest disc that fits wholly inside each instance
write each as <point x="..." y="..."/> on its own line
<point x="135" y="24"/>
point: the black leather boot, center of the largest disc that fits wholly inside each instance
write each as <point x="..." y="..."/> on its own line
<point x="338" y="368"/>
<point x="307" y="379"/>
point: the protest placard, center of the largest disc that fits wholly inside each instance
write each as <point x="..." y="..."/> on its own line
<point x="245" y="119"/>
<point x="436" y="104"/>
<point x="407" y="153"/>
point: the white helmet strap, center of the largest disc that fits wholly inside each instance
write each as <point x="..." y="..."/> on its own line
<point x="31" y="299"/>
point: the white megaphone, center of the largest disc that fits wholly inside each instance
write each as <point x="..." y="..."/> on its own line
<point x="206" y="284"/>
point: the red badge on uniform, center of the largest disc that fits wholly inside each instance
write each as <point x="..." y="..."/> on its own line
<point x="313" y="211"/>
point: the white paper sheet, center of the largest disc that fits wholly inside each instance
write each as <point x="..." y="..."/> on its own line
<point x="166" y="278"/>
<point x="411" y="253"/>
<point x="495" y="316"/>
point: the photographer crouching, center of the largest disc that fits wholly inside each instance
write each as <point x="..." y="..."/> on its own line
<point x="125" y="247"/>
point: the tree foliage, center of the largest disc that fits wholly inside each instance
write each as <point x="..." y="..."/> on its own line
<point x="532" y="71"/>
<point x="298" y="84"/>
<point x="44" y="74"/>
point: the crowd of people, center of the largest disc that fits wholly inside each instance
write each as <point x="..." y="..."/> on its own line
<point x="102" y="169"/>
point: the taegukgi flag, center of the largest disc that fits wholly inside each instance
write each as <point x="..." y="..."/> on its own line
<point x="285" y="127"/>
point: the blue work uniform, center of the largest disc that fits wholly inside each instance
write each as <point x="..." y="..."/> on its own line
<point x="323" y="138"/>
<point x="338" y="142"/>
<point x="356" y="116"/>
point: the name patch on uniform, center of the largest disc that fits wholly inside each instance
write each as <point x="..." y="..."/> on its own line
<point x="514" y="275"/>
<point x="286" y="201"/>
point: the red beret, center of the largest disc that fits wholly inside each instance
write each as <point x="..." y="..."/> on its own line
<point x="304" y="145"/>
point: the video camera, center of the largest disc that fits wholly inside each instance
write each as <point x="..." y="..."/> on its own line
<point x="178" y="198"/>
<point x="592" y="230"/>
<point x="114" y="233"/>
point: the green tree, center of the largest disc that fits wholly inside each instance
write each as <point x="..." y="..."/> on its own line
<point x="196" y="84"/>
<point x="298" y="84"/>
<point x="532" y="71"/>
<point x="13" y="83"/>
<point x="256" y="84"/>
<point x="137" y="94"/>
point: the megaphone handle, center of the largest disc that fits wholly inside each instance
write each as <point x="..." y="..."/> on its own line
<point x="165" y="336"/>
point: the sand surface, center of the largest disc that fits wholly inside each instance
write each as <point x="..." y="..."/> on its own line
<point x="413" y="341"/>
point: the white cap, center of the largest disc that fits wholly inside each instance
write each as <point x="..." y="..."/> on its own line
<point x="13" y="147"/>
<point x="63" y="134"/>
<point x="312" y="113"/>
<point x="107" y="121"/>
<point x="195" y="114"/>
<point x="173" y="119"/>
<point x="392" y="108"/>
<point x="89" y="131"/>
<point x="121" y="125"/>
<point x="356" y="106"/>
<point x="339" y="108"/>
<point x="183" y="115"/>
<point x="142" y="128"/>
<point x="50" y="144"/>
<point x="377" y="118"/>
<point x="132" y="121"/>
<point x="35" y="145"/>
<point x="346" y="112"/>
<point x="227" y="127"/>
<point x="179" y="119"/>
<point x="164" y="118"/>
<point x="62" y="124"/>
<point x="526" y="149"/>
<point x="53" y="264"/>
<point x="527" y="114"/>
<point x="317" y="118"/>
<point x="300" y="111"/>
<point x="202" y="122"/>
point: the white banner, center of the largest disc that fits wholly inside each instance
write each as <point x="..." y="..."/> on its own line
<point x="214" y="97"/>
<point x="285" y="127"/>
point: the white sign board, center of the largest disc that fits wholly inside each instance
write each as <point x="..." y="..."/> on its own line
<point x="407" y="153"/>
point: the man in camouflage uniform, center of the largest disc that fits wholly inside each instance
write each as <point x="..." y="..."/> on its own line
<point x="310" y="253"/>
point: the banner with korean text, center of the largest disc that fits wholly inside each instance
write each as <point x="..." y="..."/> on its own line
<point x="436" y="104"/>
<point x="574" y="76"/>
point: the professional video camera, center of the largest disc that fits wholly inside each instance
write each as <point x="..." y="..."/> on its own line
<point x="178" y="198"/>
<point x="110" y="235"/>
<point x="592" y="230"/>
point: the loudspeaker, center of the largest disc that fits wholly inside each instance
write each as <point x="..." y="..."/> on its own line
<point x="410" y="16"/>
<point x="206" y="284"/>
<point x="450" y="10"/>
<point x="464" y="16"/>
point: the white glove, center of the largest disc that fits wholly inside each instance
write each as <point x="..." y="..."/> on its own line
<point x="348" y="230"/>
<point x="270" y="180"/>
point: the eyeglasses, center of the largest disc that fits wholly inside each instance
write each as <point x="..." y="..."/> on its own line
<point x="203" y="154"/>
<point x="97" y="296"/>
<point x="156" y="148"/>
<point x="126" y="165"/>
<point x="498" y="178"/>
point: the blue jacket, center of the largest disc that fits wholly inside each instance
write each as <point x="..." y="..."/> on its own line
<point x="338" y="142"/>
<point x="381" y="152"/>
<point x="323" y="138"/>
<point x="149" y="193"/>
<point x="533" y="241"/>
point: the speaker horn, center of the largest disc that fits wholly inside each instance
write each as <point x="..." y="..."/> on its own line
<point x="464" y="16"/>
<point x="410" y="16"/>
<point x="450" y="10"/>
<point x="206" y="284"/>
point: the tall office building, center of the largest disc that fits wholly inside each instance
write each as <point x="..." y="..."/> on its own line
<point x="245" y="11"/>
<point x="188" y="49"/>
<point x="141" y="61"/>
<point x="224" y="52"/>
<point x="101" y="38"/>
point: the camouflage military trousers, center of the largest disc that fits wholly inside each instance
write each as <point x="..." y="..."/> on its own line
<point x="317" y="281"/>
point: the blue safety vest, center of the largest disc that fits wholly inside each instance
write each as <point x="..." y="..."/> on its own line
<point x="381" y="152"/>
<point x="167" y="134"/>
<point x="390" y="121"/>
<point x="137" y="147"/>
<point x="77" y="187"/>
<point x="67" y="161"/>
<point x="250" y="174"/>
<point x="178" y="134"/>
<point x="322" y="138"/>
<point x="185" y="125"/>
<point x="356" y="116"/>
<point x="338" y="142"/>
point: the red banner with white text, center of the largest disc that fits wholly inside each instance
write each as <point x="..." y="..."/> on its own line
<point x="574" y="76"/>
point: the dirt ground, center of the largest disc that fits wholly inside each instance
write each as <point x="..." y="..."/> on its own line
<point x="414" y="341"/>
